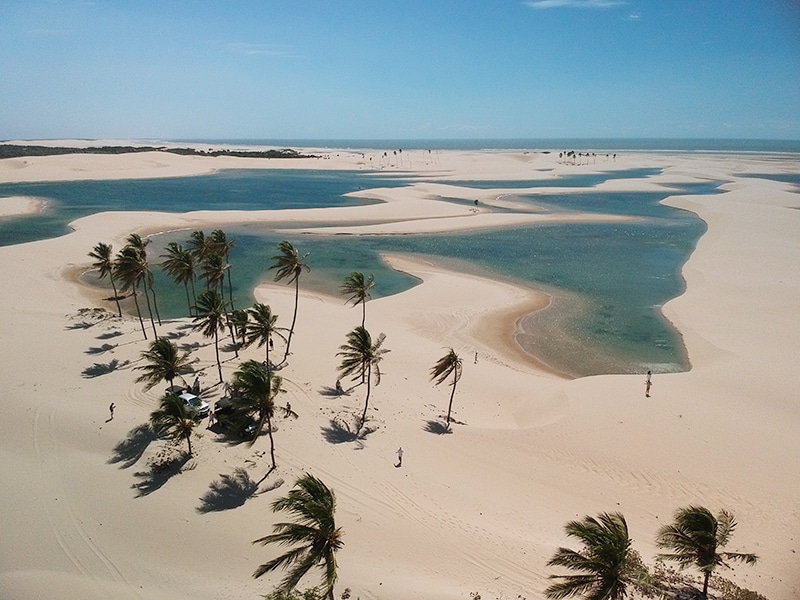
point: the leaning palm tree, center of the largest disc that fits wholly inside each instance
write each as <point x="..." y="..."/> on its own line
<point x="172" y="420"/>
<point x="449" y="364"/>
<point x="357" y="288"/>
<point x="257" y="390"/>
<point x="180" y="264"/>
<point x="105" y="264"/>
<point x="164" y="362"/>
<point x="220" y="244"/>
<point x="135" y="241"/>
<point x="261" y="327"/>
<point x="128" y="271"/>
<point x="210" y="319"/>
<point x="314" y="533"/>
<point x="603" y="566"/>
<point x="695" y="538"/>
<point x="290" y="264"/>
<point x="237" y="320"/>
<point x="359" y="357"/>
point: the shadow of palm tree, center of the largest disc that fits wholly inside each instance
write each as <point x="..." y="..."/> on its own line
<point x="332" y="392"/>
<point x="98" y="369"/>
<point x="109" y="334"/>
<point x="340" y="432"/>
<point x="130" y="450"/>
<point x="101" y="349"/>
<point x="191" y="346"/>
<point x="160" y="472"/>
<point x="228" y="492"/>
<point x="436" y="427"/>
<point x="232" y="491"/>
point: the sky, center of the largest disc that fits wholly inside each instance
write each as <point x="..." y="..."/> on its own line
<point x="399" y="69"/>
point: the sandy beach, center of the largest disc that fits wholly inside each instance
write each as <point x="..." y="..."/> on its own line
<point x="479" y="510"/>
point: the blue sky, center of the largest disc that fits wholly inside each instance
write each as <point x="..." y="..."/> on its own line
<point x="169" y="69"/>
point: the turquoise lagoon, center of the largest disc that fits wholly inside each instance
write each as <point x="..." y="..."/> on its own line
<point x="608" y="281"/>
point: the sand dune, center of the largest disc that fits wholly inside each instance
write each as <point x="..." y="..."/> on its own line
<point x="478" y="510"/>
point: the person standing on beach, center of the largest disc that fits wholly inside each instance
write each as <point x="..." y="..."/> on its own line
<point x="111" y="408"/>
<point x="400" y="457"/>
<point x="647" y="384"/>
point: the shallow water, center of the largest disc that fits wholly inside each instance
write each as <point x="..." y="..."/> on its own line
<point x="609" y="280"/>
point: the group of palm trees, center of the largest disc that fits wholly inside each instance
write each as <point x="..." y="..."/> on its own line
<point x="607" y="567"/>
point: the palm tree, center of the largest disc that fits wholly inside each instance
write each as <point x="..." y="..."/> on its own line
<point x="314" y="532"/>
<point x="696" y="537"/>
<point x="165" y="362"/>
<point x="180" y="264"/>
<point x="359" y="356"/>
<point x="257" y="390"/>
<point x="449" y="364"/>
<point x="198" y="245"/>
<point x="134" y="240"/>
<point x="128" y="270"/>
<point x="603" y="566"/>
<point x="171" y="419"/>
<point x="214" y="267"/>
<point x="105" y="264"/>
<point x="237" y="319"/>
<point x="261" y="327"/>
<point x="289" y="264"/>
<point x="357" y="287"/>
<point x="220" y="244"/>
<point x="210" y="319"/>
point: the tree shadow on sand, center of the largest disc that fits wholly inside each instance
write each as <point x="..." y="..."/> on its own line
<point x="161" y="470"/>
<point x="436" y="427"/>
<point x="332" y="392"/>
<point x="231" y="491"/>
<point x="101" y="349"/>
<point x="341" y="432"/>
<point x="109" y="334"/>
<point x="98" y="369"/>
<point x="128" y="452"/>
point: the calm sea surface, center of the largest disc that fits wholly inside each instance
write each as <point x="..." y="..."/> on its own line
<point x="609" y="280"/>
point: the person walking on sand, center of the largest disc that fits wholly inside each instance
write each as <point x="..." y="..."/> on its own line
<point x="648" y="382"/>
<point x="210" y="419"/>
<point x="111" y="408"/>
<point x="400" y="457"/>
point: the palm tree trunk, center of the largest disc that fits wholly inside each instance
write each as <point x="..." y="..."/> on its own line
<point x="706" y="577"/>
<point x="366" y="401"/>
<point x="116" y="295"/>
<point x="150" y="310"/>
<point x="294" y="317"/>
<point x="188" y="300"/>
<point x="216" y="347"/>
<point x="450" y="406"/>
<point x="271" y="443"/>
<point x="194" y="295"/>
<point x="230" y="287"/>
<point x="139" y="312"/>
<point x="363" y="312"/>
<point x="155" y="305"/>
<point x="189" y="441"/>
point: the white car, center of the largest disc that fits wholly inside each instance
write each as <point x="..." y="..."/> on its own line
<point x="194" y="404"/>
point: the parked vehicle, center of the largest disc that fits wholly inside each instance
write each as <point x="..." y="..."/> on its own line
<point x="195" y="405"/>
<point x="230" y="421"/>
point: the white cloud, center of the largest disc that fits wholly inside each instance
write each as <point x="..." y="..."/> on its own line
<point x="540" y="4"/>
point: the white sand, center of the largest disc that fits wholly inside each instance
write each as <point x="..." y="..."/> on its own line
<point x="480" y="510"/>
